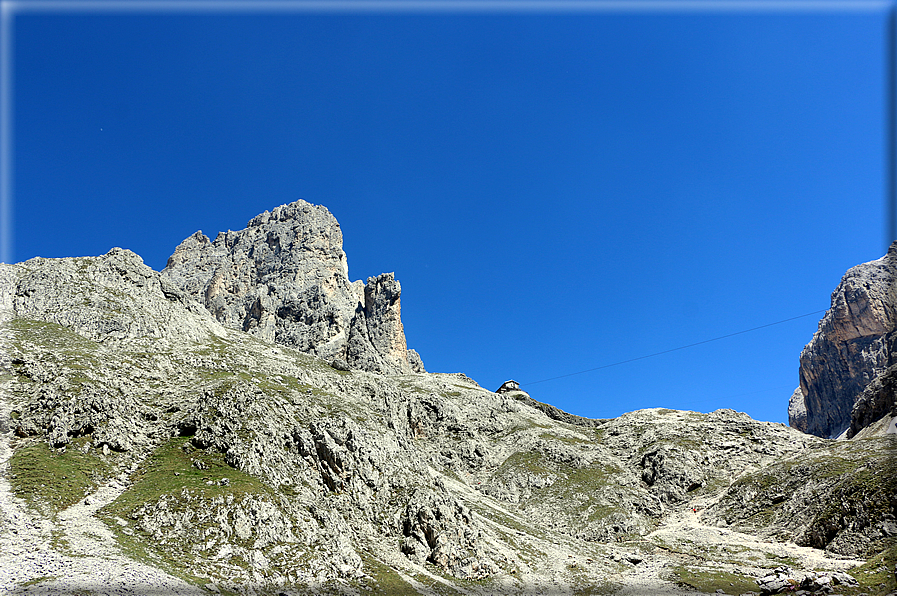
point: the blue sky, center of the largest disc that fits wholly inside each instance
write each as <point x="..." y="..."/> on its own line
<point x="555" y="190"/>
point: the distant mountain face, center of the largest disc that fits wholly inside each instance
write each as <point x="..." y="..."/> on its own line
<point x="855" y="348"/>
<point x="215" y="428"/>
<point x="285" y="279"/>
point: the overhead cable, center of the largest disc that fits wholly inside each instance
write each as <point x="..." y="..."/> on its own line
<point x="706" y="341"/>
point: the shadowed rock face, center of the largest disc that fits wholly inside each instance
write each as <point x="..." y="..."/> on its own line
<point x="853" y="345"/>
<point x="877" y="400"/>
<point x="285" y="279"/>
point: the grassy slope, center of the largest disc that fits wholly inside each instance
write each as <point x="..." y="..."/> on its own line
<point x="44" y="476"/>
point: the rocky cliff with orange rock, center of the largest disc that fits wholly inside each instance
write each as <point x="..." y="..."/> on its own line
<point x="855" y="348"/>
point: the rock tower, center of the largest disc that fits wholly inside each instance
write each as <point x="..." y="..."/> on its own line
<point x="285" y="278"/>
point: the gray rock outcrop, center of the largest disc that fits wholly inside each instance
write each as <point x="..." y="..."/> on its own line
<point x="112" y="298"/>
<point x="854" y="344"/>
<point x="285" y="279"/>
<point x="797" y="411"/>
<point x="789" y="580"/>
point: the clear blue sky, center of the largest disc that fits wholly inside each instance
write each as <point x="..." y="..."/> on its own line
<point x="555" y="191"/>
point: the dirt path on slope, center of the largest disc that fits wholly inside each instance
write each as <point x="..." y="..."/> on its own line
<point x="688" y="526"/>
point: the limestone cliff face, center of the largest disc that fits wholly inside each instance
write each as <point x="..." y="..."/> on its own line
<point x="285" y="279"/>
<point x="878" y="399"/>
<point x="853" y="345"/>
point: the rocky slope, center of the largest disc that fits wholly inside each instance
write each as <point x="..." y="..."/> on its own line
<point x="855" y="343"/>
<point x="147" y="446"/>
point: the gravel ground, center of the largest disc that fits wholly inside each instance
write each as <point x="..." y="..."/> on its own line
<point x="687" y="525"/>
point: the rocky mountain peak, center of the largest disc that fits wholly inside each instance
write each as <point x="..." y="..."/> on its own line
<point x="854" y="344"/>
<point x="285" y="278"/>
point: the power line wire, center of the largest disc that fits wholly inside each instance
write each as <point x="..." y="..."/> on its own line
<point x="706" y="341"/>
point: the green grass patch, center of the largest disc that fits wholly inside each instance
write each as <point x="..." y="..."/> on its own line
<point x="597" y="589"/>
<point x="171" y="471"/>
<point x="876" y="576"/>
<point x="134" y="547"/>
<point x="177" y="465"/>
<point x="528" y="461"/>
<point x="384" y="579"/>
<point x="780" y="560"/>
<point x="709" y="581"/>
<point x="408" y="386"/>
<point x="468" y="387"/>
<point x="37" y="580"/>
<point x="43" y="475"/>
<point x="592" y="478"/>
<point x="565" y="439"/>
<point x="51" y="336"/>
